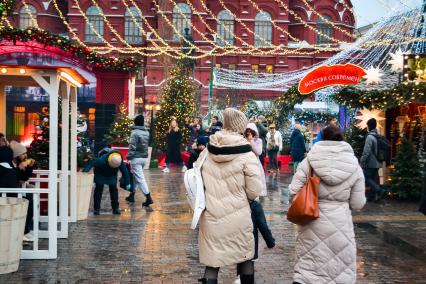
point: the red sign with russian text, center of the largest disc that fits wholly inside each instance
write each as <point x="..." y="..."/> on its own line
<point x="324" y="76"/>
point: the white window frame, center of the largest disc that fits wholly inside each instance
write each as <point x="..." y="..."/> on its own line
<point x="96" y="20"/>
<point x="27" y="17"/>
<point x="225" y="28"/>
<point x="263" y="29"/>
<point x="132" y="32"/>
<point x="182" y="14"/>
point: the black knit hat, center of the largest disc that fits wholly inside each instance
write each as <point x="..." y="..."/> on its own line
<point x="139" y="120"/>
<point x="6" y="155"/>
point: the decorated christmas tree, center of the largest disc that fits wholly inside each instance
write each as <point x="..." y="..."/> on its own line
<point x="120" y="129"/>
<point x="177" y="101"/>
<point x="406" y="180"/>
<point x="355" y="136"/>
<point x="39" y="147"/>
<point x="84" y="152"/>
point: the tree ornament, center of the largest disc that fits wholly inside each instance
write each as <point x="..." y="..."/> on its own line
<point x="397" y="61"/>
<point x="366" y="115"/>
<point x="373" y="76"/>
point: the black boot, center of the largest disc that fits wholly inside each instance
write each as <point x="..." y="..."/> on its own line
<point x="207" y="281"/>
<point x="148" y="200"/>
<point x="247" y="278"/>
<point x="116" y="211"/>
<point x="131" y="197"/>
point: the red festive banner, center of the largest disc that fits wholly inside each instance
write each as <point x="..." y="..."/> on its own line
<point x="324" y="76"/>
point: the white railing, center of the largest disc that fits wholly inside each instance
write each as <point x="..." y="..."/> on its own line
<point x="53" y="219"/>
<point x="42" y="176"/>
<point x="50" y="234"/>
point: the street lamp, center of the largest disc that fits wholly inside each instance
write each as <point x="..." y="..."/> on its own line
<point x="151" y="106"/>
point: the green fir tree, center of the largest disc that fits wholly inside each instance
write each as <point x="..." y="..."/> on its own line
<point x="84" y="151"/>
<point x="406" y="181"/>
<point x="355" y="136"/>
<point x="39" y="147"/>
<point x="178" y="100"/>
<point x="119" y="131"/>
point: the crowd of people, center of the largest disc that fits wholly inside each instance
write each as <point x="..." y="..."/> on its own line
<point x="234" y="179"/>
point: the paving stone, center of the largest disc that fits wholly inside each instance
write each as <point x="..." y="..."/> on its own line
<point x="157" y="246"/>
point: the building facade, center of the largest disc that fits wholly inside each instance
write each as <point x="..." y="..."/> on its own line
<point x="294" y="24"/>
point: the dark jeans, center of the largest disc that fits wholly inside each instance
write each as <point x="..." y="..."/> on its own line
<point x="262" y="159"/>
<point x="273" y="162"/>
<point x="113" y="193"/>
<point x="371" y="176"/>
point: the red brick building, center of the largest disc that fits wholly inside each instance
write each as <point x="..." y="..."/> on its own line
<point x="248" y="26"/>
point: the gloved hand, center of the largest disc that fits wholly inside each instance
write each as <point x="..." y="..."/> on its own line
<point x="128" y="187"/>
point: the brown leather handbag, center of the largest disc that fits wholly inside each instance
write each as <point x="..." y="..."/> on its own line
<point x="304" y="207"/>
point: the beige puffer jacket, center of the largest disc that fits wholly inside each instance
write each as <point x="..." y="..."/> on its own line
<point x="231" y="177"/>
<point x="325" y="248"/>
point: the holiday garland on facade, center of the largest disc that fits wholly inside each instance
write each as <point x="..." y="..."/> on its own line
<point x="127" y="64"/>
<point x="381" y="99"/>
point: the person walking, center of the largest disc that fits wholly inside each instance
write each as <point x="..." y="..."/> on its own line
<point x="369" y="162"/>
<point x="330" y="121"/>
<point x="195" y="153"/>
<point x="297" y="146"/>
<point x="106" y="170"/>
<point x="174" y="141"/>
<point x="274" y="145"/>
<point x="137" y="155"/>
<point x="252" y="136"/>
<point x="231" y="179"/>
<point x="325" y="247"/>
<point x="261" y="125"/>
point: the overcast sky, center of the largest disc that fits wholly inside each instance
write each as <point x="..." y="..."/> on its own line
<point x="370" y="11"/>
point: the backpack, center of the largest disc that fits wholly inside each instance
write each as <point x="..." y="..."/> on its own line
<point x="195" y="191"/>
<point x="383" y="148"/>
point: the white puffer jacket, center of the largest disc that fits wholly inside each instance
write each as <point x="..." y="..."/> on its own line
<point x="325" y="248"/>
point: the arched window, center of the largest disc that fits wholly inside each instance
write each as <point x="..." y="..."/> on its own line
<point x="324" y="27"/>
<point x="263" y="29"/>
<point x="97" y="22"/>
<point x="181" y="19"/>
<point x="132" y="25"/>
<point x="27" y="17"/>
<point x="225" y="28"/>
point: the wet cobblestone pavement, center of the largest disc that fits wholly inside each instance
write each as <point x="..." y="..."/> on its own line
<point x="157" y="246"/>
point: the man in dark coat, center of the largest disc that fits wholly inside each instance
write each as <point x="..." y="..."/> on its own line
<point x="297" y="146"/>
<point x="8" y="175"/>
<point x="106" y="169"/>
<point x="369" y="162"/>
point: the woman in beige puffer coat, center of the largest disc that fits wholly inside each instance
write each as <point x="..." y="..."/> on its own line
<point x="325" y="248"/>
<point x="231" y="178"/>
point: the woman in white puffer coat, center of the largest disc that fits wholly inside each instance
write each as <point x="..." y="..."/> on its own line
<point x="325" y="248"/>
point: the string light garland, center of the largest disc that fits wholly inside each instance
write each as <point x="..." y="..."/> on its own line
<point x="381" y="99"/>
<point x="356" y="53"/>
<point x="127" y="64"/>
<point x="328" y="21"/>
